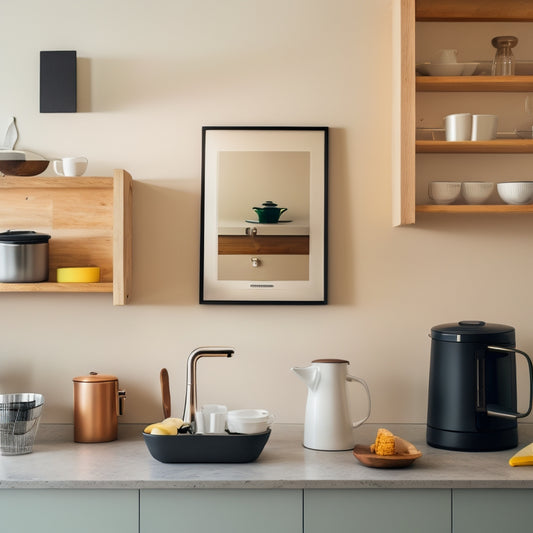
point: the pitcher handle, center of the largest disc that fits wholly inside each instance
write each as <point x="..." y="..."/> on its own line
<point x="363" y="382"/>
<point x="496" y="410"/>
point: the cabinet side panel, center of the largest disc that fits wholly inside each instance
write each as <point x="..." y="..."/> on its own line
<point x="122" y="237"/>
<point x="403" y="122"/>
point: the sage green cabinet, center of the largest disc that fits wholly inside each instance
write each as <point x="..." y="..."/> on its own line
<point x="221" y="511"/>
<point x="377" y="511"/>
<point x="492" y="510"/>
<point x="66" y="511"/>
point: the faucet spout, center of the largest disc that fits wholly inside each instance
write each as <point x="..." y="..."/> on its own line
<point x="189" y="410"/>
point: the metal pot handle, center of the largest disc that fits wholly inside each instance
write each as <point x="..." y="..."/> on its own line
<point x="495" y="410"/>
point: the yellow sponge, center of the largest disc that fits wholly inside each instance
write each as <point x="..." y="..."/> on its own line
<point x="524" y="457"/>
<point x="78" y="275"/>
<point x="384" y="443"/>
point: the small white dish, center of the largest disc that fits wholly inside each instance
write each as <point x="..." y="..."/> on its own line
<point x="476" y="192"/>
<point x="444" y="192"/>
<point x="516" y="192"/>
<point x="249" y="421"/>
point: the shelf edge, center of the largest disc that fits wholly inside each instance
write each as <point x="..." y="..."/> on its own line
<point x="473" y="209"/>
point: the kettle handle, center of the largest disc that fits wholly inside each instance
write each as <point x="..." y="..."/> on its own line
<point x="363" y="382"/>
<point x="494" y="410"/>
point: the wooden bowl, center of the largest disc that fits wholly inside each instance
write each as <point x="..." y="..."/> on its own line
<point x="399" y="460"/>
<point x="17" y="167"/>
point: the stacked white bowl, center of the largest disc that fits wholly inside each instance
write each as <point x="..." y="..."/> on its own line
<point x="516" y="192"/>
<point x="249" y="421"/>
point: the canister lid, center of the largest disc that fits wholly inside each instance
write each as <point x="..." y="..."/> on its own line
<point x="94" y="377"/>
<point x="23" y="237"/>
<point x="474" y="331"/>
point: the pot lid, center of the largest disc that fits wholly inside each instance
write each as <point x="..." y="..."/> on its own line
<point x="269" y="204"/>
<point x="473" y="331"/>
<point x="94" y="377"/>
<point x="23" y="237"/>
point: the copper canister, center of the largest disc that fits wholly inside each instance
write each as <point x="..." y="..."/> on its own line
<point x="97" y="405"/>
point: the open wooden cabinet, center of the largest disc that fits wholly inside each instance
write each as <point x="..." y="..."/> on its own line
<point x="406" y="85"/>
<point x="90" y="221"/>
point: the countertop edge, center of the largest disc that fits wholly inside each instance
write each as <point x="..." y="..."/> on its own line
<point x="59" y="463"/>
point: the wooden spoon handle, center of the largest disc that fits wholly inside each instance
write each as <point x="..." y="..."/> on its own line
<point x="165" y="392"/>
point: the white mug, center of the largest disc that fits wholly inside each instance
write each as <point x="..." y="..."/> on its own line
<point x="484" y="127"/>
<point x="458" y="127"/>
<point x="444" y="56"/>
<point x="217" y="423"/>
<point x="70" y="166"/>
<point x="211" y="418"/>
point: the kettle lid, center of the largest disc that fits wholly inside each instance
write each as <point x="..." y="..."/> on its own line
<point x="473" y="331"/>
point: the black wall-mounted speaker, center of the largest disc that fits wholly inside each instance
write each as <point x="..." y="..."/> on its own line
<point x="58" y="82"/>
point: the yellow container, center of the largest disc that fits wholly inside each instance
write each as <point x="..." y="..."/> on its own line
<point x="78" y="275"/>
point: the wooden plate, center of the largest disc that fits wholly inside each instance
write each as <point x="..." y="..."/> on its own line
<point x="400" y="460"/>
<point x="15" y="167"/>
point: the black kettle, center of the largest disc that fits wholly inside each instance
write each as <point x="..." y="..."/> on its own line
<point x="472" y="397"/>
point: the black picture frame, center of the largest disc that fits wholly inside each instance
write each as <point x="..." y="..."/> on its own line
<point x="241" y="166"/>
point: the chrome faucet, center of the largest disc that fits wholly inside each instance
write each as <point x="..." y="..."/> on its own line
<point x="189" y="410"/>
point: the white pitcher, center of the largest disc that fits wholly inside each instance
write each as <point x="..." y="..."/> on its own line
<point x="328" y="425"/>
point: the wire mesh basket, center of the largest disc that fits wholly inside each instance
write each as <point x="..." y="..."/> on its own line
<point x="19" y="420"/>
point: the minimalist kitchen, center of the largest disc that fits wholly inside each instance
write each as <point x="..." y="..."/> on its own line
<point x="264" y="266"/>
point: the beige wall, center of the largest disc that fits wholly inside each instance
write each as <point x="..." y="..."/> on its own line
<point x="151" y="75"/>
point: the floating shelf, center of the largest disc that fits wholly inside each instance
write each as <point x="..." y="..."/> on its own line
<point x="90" y="221"/>
<point x="495" y="208"/>
<point x="474" y="10"/>
<point x="498" y="146"/>
<point x="474" y="84"/>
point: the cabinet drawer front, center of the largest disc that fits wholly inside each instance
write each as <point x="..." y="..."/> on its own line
<point x="223" y="511"/>
<point x="377" y="511"/>
<point x="66" y="511"/>
<point x="492" y="510"/>
<point x="267" y="267"/>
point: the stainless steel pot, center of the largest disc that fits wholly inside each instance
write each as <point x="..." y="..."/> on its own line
<point x="23" y="256"/>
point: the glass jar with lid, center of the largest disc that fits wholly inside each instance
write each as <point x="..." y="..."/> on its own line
<point x="504" y="61"/>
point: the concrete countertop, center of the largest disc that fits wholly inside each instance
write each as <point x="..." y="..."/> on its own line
<point x="58" y="462"/>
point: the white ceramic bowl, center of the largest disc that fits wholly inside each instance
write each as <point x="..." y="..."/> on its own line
<point x="444" y="192"/>
<point x="447" y="69"/>
<point x="469" y="68"/>
<point x="249" y="421"/>
<point x="516" y="192"/>
<point x="476" y="192"/>
<point x="441" y="69"/>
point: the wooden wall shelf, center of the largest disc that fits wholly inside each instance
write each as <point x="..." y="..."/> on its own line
<point x="458" y="209"/>
<point x="498" y="146"/>
<point x="90" y="221"/>
<point x="474" y="84"/>
<point x="474" y="10"/>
